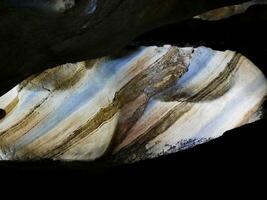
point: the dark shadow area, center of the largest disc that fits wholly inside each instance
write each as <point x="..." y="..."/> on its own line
<point x="2" y="113"/>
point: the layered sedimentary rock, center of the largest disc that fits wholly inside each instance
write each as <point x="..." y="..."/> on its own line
<point x="139" y="104"/>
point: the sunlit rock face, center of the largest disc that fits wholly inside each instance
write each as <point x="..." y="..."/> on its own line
<point x="137" y="105"/>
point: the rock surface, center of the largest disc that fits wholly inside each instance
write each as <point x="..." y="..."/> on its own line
<point x="139" y="104"/>
<point x="38" y="34"/>
<point x="225" y="12"/>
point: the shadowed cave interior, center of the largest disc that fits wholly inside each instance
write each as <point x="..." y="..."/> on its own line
<point x="244" y="33"/>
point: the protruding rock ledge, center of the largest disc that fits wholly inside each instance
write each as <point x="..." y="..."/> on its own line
<point x="228" y="11"/>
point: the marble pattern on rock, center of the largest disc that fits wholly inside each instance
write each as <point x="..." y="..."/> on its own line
<point x="137" y="105"/>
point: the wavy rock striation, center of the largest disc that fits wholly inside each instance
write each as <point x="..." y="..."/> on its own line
<point x="139" y="104"/>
